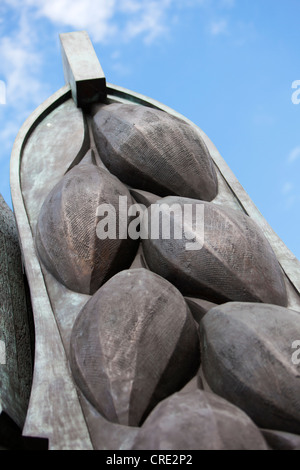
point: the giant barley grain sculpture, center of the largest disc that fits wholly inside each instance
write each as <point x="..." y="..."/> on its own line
<point x="130" y="330"/>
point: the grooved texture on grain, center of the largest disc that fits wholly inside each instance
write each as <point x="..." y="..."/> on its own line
<point x="15" y="323"/>
<point x="198" y="421"/>
<point x="66" y="237"/>
<point x="134" y="343"/>
<point x="246" y="352"/>
<point x="151" y="150"/>
<point x="236" y="262"/>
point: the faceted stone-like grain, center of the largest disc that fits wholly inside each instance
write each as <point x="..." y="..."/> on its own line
<point x="199" y="307"/>
<point x="278" y="440"/>
<point x="133" y="344"/>
<point x="151" y="150"/>
<point x="66" y="238"/>
<point x="198" y="421"/>
<point x="247" y="358"/>
<point x="230" y="259"/>
<point x="16" y="333"/>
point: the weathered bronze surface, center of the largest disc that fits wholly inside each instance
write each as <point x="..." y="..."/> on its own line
<point x="16" y="333"/>
<point x="154" y="151"/>
<point x="278" y="440"/>
<point x="64" y="131"/>
<point x="102" y="363"/>
<point x="198" y="420"/>
<point x="82" y="69"/>
<point x="246" y="352"/>
<point x="132" y="345"/>
<point x="66" y="236"/>
<point x="199" y="307"/>
<point x="236" y="262"/>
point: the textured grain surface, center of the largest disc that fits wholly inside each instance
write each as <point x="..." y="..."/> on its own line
<point x="246" y="352"/>
<point x="278" y="440"/>
<point x="15" y="325"/>
<point x="198" y="421"/>
<point x="54" y="411"/>
<point x="104" y="434"/>
<point x="62" y="411"/>
<point x="59" y="140"/>
<point x="144" y="197"/>
<point x="236" y="262"/>
<point x="154" y="151"/>
<point x="133" y="344"/>
<point x="66" y="236"/>
<point x="199" y="307"/>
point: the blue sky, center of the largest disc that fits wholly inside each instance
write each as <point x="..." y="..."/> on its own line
<point x="228" y="65"/>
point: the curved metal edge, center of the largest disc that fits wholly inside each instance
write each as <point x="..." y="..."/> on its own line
<point x="288" y="261"/>
<point x="54" y="411"/>
<point x="63" y="423"/>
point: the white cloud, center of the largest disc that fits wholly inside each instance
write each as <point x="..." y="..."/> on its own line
<point x="287" y="187"/>
<point x="98" y="17"/>
<point x="7" y="134"/>
<point x="95" y="15"/>
<point x="121" y="69"/>
<point x="290" y="188"/>
<point x="227" y="3"/>
<point x="2" y="92"/>
<point x="106" y="20"/>
<point x="290" y="201"/>
<point x="294" y="155"/>
<point x="219" y="27"/>
<point x="20" y="64"/>
<point x="290" y="195"/>
<point x="151" y="21"/>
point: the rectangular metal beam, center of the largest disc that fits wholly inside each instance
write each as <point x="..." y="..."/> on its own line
<point x="82" y="69"/>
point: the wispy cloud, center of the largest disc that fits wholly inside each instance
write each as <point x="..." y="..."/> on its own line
<point x="105" y="20"/>
<point x="218" y="27"/>
<point x="99" y="17"/>
<point x="294" y="155"/>
<point x="227" y="3"/>
<point x="21" y="63"/>
<point x="290" y="188"/>
<point x="290" y="195"/>
<point x="95" y="15"/>
<point x="151" y="21"/>
<point x="109" y="22"/>
<point x="287" y="187"/>
<point x="148" y="19"/>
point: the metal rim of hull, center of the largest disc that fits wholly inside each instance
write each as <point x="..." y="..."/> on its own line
<point x="44" y="318"/>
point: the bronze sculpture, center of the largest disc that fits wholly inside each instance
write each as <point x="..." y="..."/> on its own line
<point x="63" y="136"/>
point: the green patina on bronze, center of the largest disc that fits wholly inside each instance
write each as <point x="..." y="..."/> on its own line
<point x="15" y="331"/>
